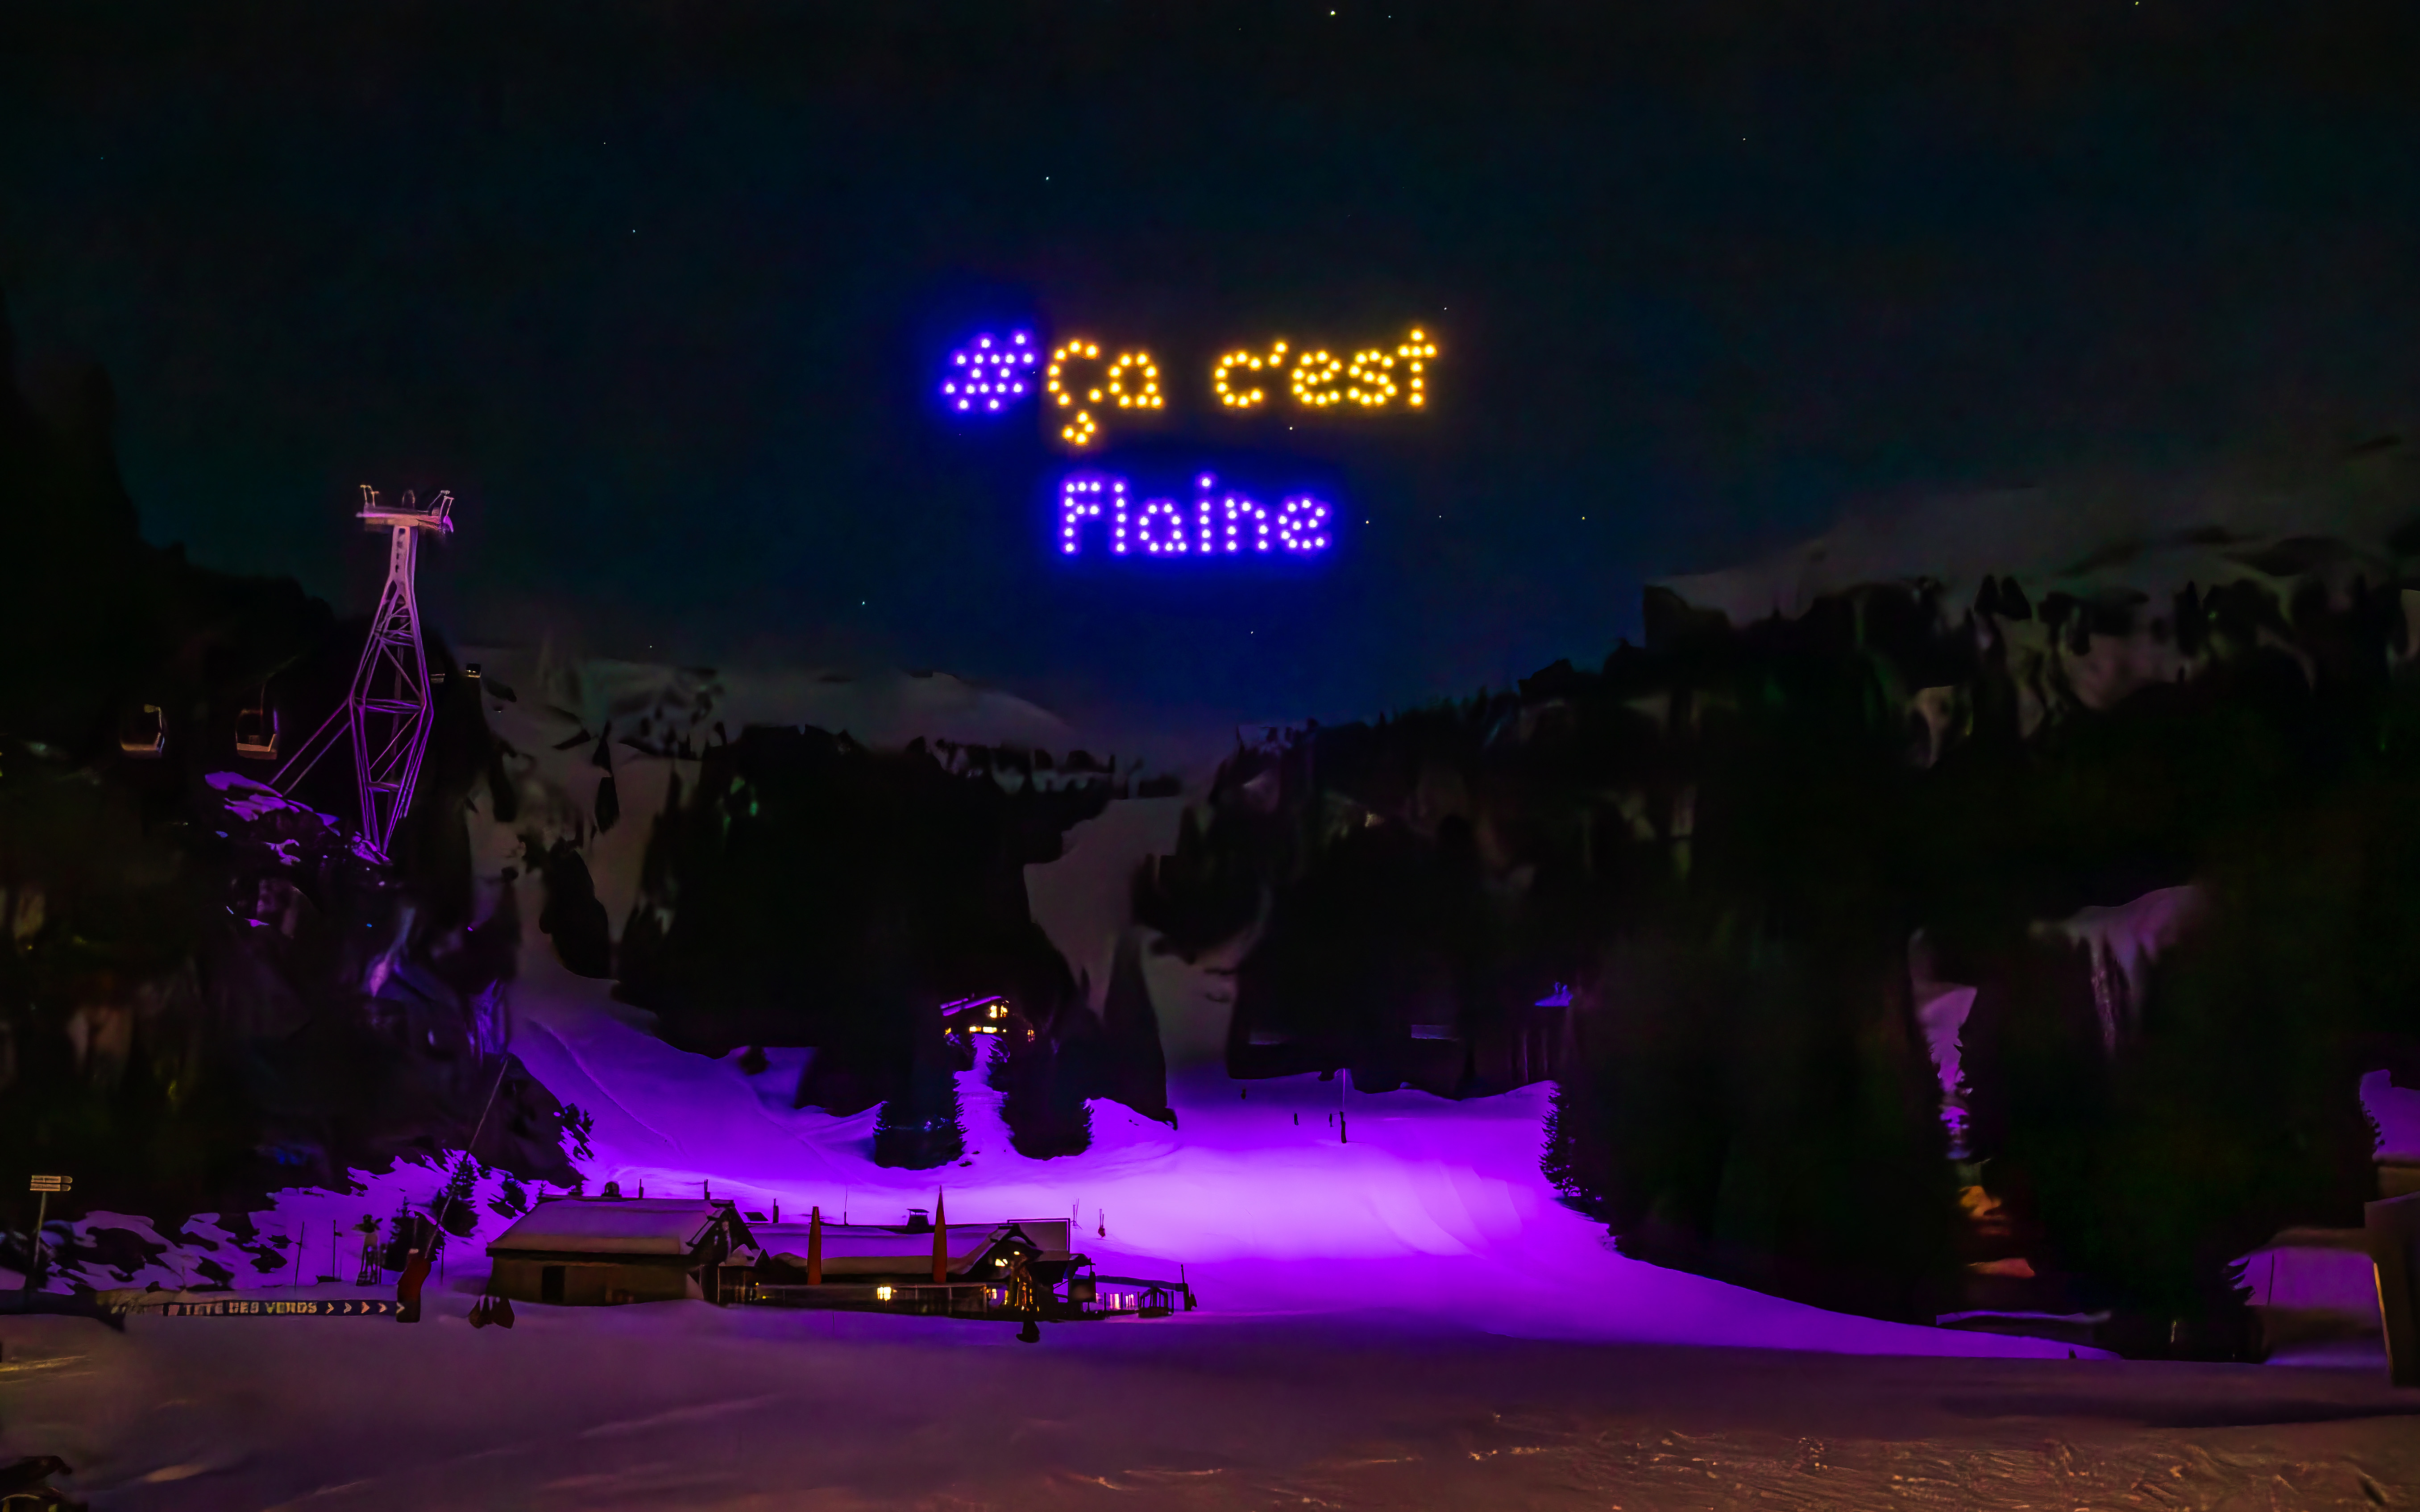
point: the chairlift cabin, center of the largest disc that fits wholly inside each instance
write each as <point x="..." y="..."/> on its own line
<point x="255" y="729"/>
<point x="143" y="731"/>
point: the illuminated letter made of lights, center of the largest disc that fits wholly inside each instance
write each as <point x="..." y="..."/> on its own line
<point x="1085" y="382"/>
<point x="1220" y="523"/>
<point x="1416" y="353"/>
<point x="1130" y="380"/>
<point x="1368" y="379"/>
<point x="1062" y="389"/>
<point x="1237" y="393"/>
<point x="1315" y="379"/>
<point x="989" y="374"/>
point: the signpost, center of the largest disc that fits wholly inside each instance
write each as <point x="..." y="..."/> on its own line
<point x="45" y="1186"/>
<point x="301" y="1307"/>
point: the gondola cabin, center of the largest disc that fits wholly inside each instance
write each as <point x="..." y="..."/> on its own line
<point x="143" y="731"/>
<point x="255" y="729"/>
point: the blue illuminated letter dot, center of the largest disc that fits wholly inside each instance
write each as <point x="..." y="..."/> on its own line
<point x="989" y="374"/>
<point x="1223" y="522"/>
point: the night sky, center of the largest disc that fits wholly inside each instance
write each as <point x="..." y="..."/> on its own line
<point x="661" y="294"/>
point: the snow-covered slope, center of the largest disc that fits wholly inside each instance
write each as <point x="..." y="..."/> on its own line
<point x="552" y="712"/>
<point x="1425" y="1206"/>
<point x="1424" y="1209"/>
<point x="2093" y="535"/>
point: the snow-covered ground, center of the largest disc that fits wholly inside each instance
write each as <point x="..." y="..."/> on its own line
<point x="1402" y="1316"/>
<point x="681" y="1405"/>
<point x="1423" y="1207"/>
<point x="1424" y="1204"/>
<point x="1406" y="1317"/>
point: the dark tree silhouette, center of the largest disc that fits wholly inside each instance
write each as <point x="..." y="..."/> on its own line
<point x="1724" y="841"/>
<point x="821" y="894"/>
<point x="200" y="1002"/>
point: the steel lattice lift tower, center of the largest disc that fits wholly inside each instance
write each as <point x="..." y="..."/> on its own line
<point x="388" y="711"/>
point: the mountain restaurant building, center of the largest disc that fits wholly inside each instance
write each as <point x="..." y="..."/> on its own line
<point x="869" y="1255"/>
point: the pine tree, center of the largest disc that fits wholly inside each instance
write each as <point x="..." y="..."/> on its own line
<point x="455" y="1210"/>
<point x="921" y="1128"/>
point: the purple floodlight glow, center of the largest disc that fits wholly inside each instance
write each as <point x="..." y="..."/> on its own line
<point x="1448" y="1207"/>
<point x="999" y="375"/>
<point x="1226" y="522"/>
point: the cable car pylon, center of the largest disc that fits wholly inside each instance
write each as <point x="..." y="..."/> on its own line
<point x="387" y="712"/>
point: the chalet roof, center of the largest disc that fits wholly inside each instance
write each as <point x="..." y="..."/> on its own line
<point x="607" y="1226"/>
<point x="868" y="1249"/>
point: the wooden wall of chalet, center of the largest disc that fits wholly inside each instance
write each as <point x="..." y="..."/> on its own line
<point x="595" y="1283"/>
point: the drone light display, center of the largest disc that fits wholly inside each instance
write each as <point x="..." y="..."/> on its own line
<point x="1416" y="352"/>
<point x="1219" y="523"/>
<point x="1229" y="394"/>
<point x="986" y="374"/>
<point x="1083" y="385"/>
<point x="1089" y="385"/>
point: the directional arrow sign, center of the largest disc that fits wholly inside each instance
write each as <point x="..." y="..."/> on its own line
<point x="239" y="1307"/>
<point x="51" y="1183"/>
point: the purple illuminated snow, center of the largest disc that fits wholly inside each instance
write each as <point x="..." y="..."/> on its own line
<point x="249" y="800"/>
<point x="1435" y="1208"/>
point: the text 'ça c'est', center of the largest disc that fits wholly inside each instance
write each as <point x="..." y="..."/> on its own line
<point x="1088" y="385"/>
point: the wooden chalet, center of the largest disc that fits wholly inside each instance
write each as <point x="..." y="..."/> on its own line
<point x="902" y="1254"/>
<point x="598" y="1251"/>
<point x="968" y="1021"/>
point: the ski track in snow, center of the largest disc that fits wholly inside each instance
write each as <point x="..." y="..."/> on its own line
<point x="581" y="1085"/>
